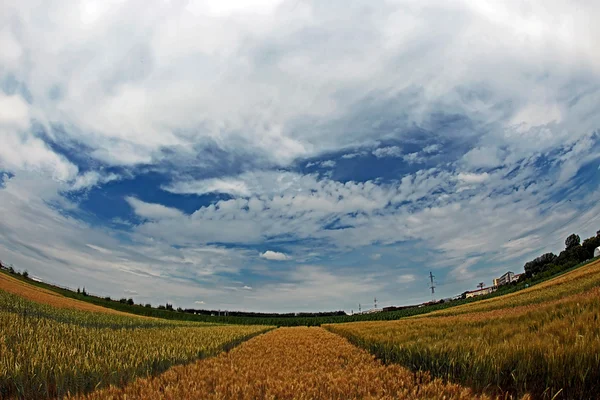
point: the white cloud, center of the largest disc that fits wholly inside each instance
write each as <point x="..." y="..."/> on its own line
<point x="483" y="157"/>
<point x="130" y="292"/>
<point x="413" y="158"/>
<point x="199" y="302"/>
<point x="92" y="178"/>
<point x="432" y="148"/>
<point x="214" y="185"/>
<point x="354" y="155"/>
<point x="282" y="88"/>
<point x="21" y="150"/>
<point x="376" y="256"/>
<point x="390" y="151"/>
<point x="153" y="211"/>
<point x="468" y="177"/>
<point x="406" y="278"/>
<point x="274" y="256"/>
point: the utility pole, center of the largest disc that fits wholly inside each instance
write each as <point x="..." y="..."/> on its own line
<point x="480" y="285"/>
<point x="359" y="309"/>
<point x="431" y="283"/>
<point x="375" y="301"/>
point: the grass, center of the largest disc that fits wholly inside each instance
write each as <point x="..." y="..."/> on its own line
<point x="299" y="363"/>
<point x="544" y="340"/>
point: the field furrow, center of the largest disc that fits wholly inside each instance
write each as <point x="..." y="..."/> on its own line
<point x="290" y="363"/>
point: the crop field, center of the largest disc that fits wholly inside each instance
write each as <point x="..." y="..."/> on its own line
<point x="48" y="352"/>
<point x="542" y="343"/>
<point x="299" y="363"/>
<point x="44" y="296"/>
<point x="544" y="340"/>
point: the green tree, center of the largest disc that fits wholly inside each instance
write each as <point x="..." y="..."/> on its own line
<point x="572" y="241"/>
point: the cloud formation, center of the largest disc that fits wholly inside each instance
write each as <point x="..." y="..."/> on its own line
<point x="165" y="145"/>
<point x="274" y="256"/>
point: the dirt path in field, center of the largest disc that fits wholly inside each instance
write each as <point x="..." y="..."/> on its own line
<point x="289" y="363"/>
<point x="45" y="296"/>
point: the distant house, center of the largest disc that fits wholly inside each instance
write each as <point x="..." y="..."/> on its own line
<point x="480" y="292"/>
<point x="597" y="252"/>
<point x="505" y="279"/>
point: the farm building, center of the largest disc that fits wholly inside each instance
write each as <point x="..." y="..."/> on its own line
<point x="481" y="292"/>
<point x="597" y="252"/>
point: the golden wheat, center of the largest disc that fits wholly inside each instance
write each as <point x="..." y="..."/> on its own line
<point x="48" y="352"/>
<point x="44" y="296"/>
<point x="547" y="348"/>
<point x="290" y="363"/>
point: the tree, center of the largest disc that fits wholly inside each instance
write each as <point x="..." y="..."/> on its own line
<point x="130" y="302"/>
<point x="25" y="274"/>
<point x="148" y="305"/>
<point x="539" y="264"/>
<point x="572" y="241"/>
<point x="123" y="300"/>
<point x="78" y="291"/>
<point x="83" y="292"/>
<point x="590" y="245"/>
<point x="169" y="307"/>
<point x="11" y="269"/>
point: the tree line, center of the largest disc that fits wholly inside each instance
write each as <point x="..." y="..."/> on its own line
<point x="575" y="252"/>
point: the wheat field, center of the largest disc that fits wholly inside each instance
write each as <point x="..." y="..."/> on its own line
<point x="290" y="363"/>
<point x="49" y="352"/>
<point x="544" y="340"/>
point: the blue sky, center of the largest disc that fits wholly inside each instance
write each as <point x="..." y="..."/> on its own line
<point x="272" y="155"/>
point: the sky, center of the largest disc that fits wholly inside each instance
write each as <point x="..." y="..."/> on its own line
<point x="281" y="156"/>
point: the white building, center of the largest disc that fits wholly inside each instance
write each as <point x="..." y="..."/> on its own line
<point x="481" y="292"/>
<point x="597" y="252"/>
<point x="505" y="279"/>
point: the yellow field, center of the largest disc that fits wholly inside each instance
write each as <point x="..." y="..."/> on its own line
<point x="44" y="296"/>
<point x="48" y="352"/>
<point x="519" y="343"/>
<point x="289" y="363"/>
